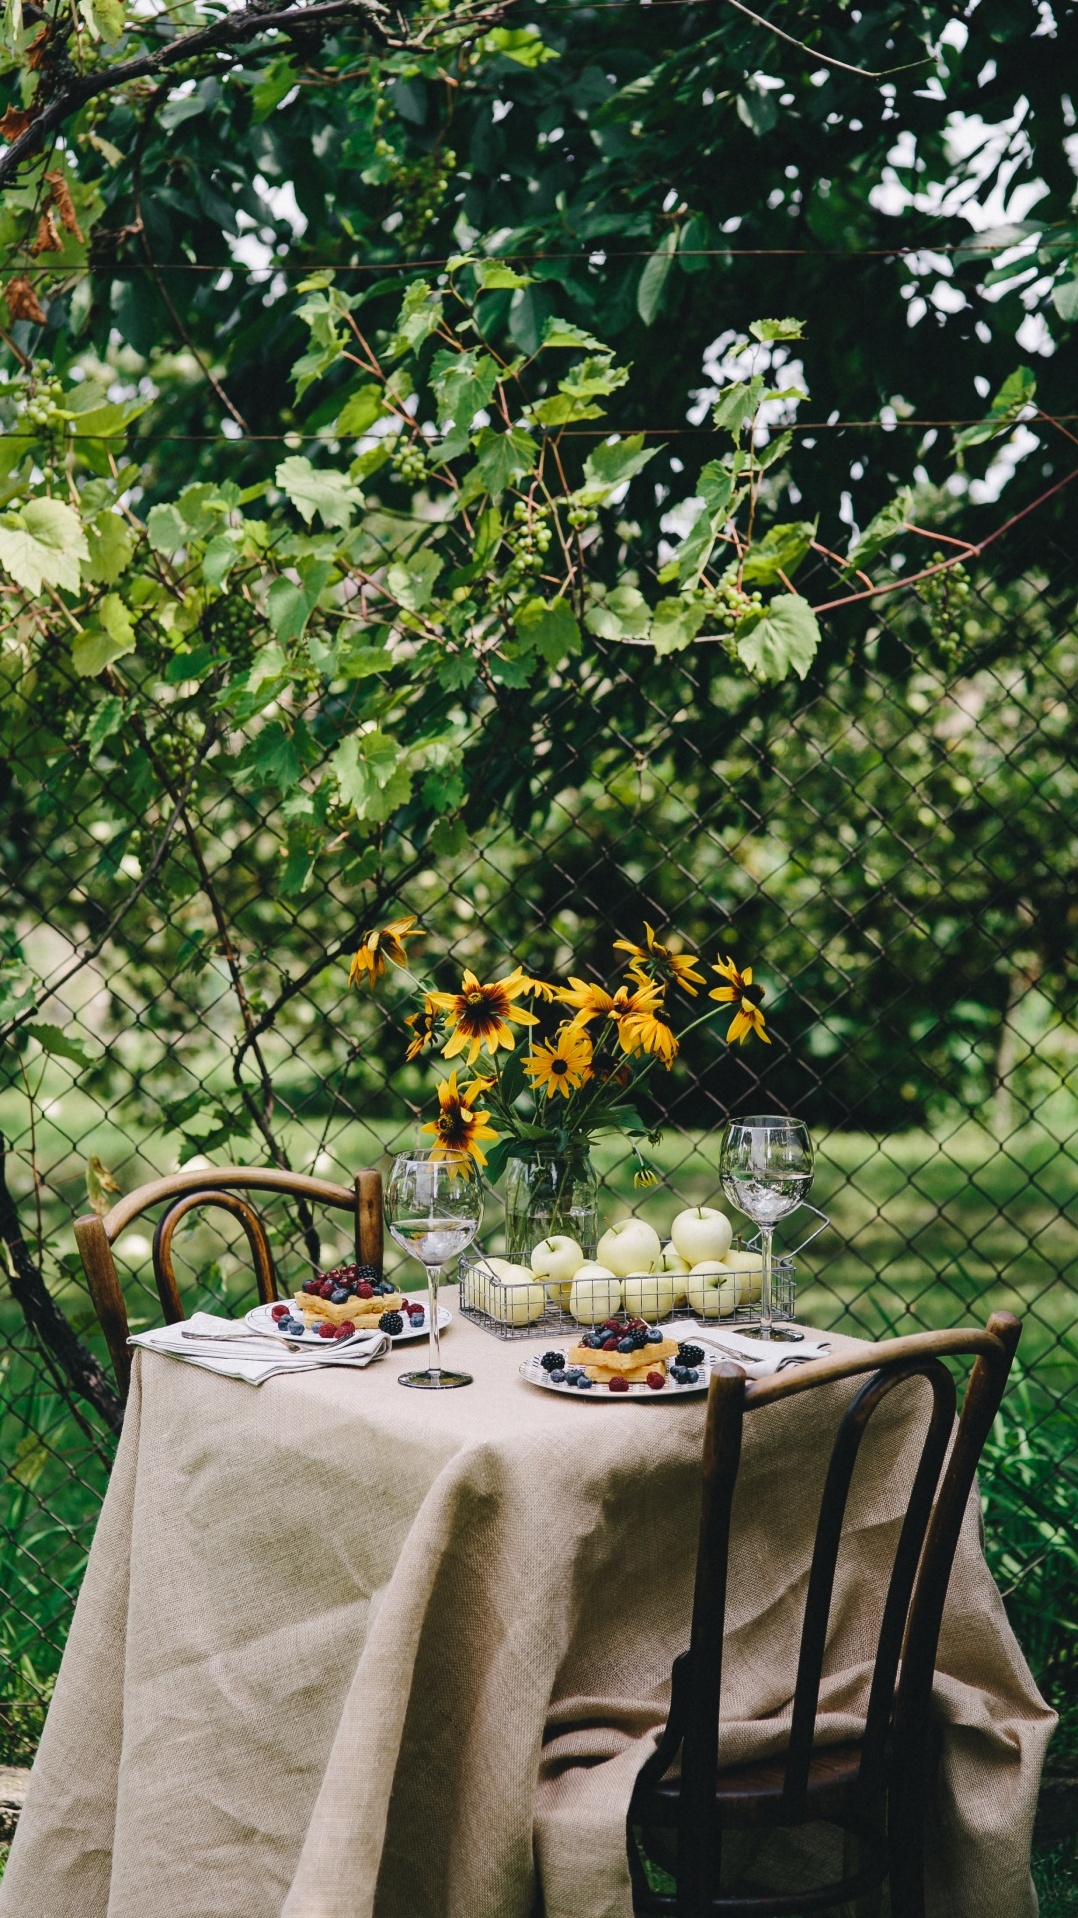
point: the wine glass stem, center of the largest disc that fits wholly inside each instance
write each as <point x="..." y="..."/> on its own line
<point x="767" y="1233"/>
<point x="434" y="1274"/>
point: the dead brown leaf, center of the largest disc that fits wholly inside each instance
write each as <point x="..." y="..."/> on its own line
<point x="22" y="301"/>
<point x="35" y="52"/>
<point x="48" y="239"/>
<point x="64" y="204"/>
<point x="14" y="121"/>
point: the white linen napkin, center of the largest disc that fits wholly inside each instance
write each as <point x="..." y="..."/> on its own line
<point x="760" y="1357"/>
<point x="237" y="1355"/>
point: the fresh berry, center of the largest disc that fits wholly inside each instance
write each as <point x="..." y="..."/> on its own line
<point x="312" y="1285"/>
<point x="636" y="1325"/>
<point x="339" y="1295"/>
<point x="585" y="1384"/>
<point x="677" y="1373"/>
<point x="391" y="1322"/>
<point x="383" y="1286"/>
<point x="609" y="1345"/>
<point x="280" y="1312"/>
<point x="619" y="1384"/>
<point x="611" y="1325"/>
<point x="557" y="1377"/>
<point x="692" y="1376"/>
<point x="364" y="1290"/>
<point x="654" y="1337"/>
<point x="550" y="1361"/>
<point x="368" y="1273"/>
<point x="346" y="1330"/>
<point x="327" y="1288"/>
<point x="638" y="1341"/>
<point x="326" y="1330"/>
<point x="656" y="1381"/>
<point x="417" y="1312"/>
<point x="625" y="1345"/>
<point x="690" y="1354"/>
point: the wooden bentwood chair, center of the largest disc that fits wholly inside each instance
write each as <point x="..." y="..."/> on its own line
<point x="874" y="1789"/>
<point x="184" y="1192"/>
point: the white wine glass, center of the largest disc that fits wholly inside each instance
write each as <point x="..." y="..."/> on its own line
<point x="766" y="1169"/>
<point x="433" y="1209"/>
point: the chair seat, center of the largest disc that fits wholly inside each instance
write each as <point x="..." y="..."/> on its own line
<point x="750" y="1795"/>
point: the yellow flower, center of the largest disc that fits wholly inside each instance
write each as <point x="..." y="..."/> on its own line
<point x="561" y="1064"/>
<point x="592" y="1002"/>
<point x="741" y="992"/>
<point x="376" y="947"/>
<point x="645" y="1177"/>
<point x="645" y="1027"/>
<point x="655" y="961"/>
<point x="424" y="1028"/>
<point x="479" y="1015"/>
<point x="539" y="989"/>
<point x="458" y="1128"/>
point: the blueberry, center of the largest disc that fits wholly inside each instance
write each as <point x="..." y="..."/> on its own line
<point x="692" y="1376"/>
<point x="585" y="1384"/>
<point x="573" y="1373"/>
<point x="678" y="1372"/>
<point x="625" y="1345"/>
<point x="338" y="1296"/>
<point x="557" y="1377"/>
<point x="654" y="1337"/>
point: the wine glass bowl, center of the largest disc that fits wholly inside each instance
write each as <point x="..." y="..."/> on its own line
<point x="433" y="1208"/>
<point x="766" y="1169"/>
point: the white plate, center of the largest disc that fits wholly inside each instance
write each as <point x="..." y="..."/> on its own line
<point x="260" y="1320"/>
<point x="532" y="1371"/>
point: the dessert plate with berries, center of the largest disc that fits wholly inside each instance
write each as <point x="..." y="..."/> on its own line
<point x="339" y="1305"/>
<point x="623" y="1359"/>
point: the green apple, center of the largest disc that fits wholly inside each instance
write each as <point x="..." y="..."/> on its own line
<point x="517" y="1301"/>
<point x="713" y="1290"/>
<point x="555" y="1260"/>
<point x="677" y="1267"/>
<point x="595" y="1294"/>
<point x="630" y="1245"/>
<point x="702" y="1233"/>
<point x="751" y="1267"/>
<point x="649" y="1296"/>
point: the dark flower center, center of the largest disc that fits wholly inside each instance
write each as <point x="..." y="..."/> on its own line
<point x="559" y="1065"/>
<point x="753" y="994"/>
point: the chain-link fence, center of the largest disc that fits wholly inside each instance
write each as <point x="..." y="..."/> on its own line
<point x="891" y="846"/>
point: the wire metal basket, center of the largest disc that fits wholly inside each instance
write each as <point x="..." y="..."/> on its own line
<point x="511" y="1310"/>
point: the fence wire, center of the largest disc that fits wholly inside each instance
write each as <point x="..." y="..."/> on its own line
<point x="892" y="847"/>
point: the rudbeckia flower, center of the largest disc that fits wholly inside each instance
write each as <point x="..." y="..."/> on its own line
<point x="740" y="991"/>
<point x="458" y="1128"/>
<point x="424" y="1028"/>
<point x="561" y="1064"/>
<point x="376" y="947"/>
<point x="656" y="961"/>
<point x="480" y="1015"/>
<point x="645" y="1027"/>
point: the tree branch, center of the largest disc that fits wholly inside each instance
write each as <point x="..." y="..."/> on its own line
<point x="44" y="1317"/>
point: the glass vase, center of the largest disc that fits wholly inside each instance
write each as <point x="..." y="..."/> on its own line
<point x="549" y="1193"/>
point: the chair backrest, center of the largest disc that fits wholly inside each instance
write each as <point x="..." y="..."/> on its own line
<point x="895" y="1742"/>
<point x="219" y="1186"/>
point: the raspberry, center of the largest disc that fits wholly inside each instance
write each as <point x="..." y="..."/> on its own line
<point x="610" y="1345"/>
<point x="611" y="1325"/>
<point x="656" y="1381"/>
<point x="346" y="1330"/>
<point x="619" y="1384"/>
<point x="326" y="1330"/>
<point x="364" y="1290"/>
<point x="327" y="1288"/>
<point x="280" y="1312"/>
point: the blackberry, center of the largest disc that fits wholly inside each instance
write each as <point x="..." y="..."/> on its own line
<point x="391" y="1322"/>
<point x="368" y="1272"/>
<point x="551" y="1361"/>
<point x="690" y="1355"/>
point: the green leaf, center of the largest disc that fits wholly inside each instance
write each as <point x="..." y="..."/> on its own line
<point x="462" y="383"/>
<point x="1017" y="392"/>
<point x="522" y="44"/>
<point x="359" y="411"/>
<point x="781" y="550"/>
<point x="623" y="614"/>
<point x="882" y="530"/>
<point x="420" y="315"/>
<point x="54" y="1040"/>
<point x="271" y="86"/>
<point x="504" y="457"/>
<point x="737" y="404"/>
<point x="318" y="490"/>
<point x="290" y="606"/>
<point x="610" y="465"/>
<point x="649" y="294"/>
<point x="41" y="544"/>
<point x="757" y="109"/>
<point x="219" y="558"/>
<point x="166" y="529"/>
<point x="411" y="582"/>
<point x="766" y="330"/>
<point x="595" y="376"/>
<point x="369" y="775"/>
<point x="111" y="542"/>
<point x="564" y="333"/>
<point x="1065" y="298"/>
<point x="105" y="719"/>
<point x="108" y="422"/>
<point x="275" y="756"/>
<point x="495" y="274"/>
<point x="560" y="409"/>
<point x="675" y="625"/>
<point x="782" y="639"/>
<point x="717" y="490"/>
<point x="548" y="627"/>
<point x="113" y="636"/>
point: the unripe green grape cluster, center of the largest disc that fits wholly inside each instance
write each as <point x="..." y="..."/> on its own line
<point x="229" y="623"/>
<point x="944" y="596"/>
<point x="728" y="604"/>
<point x="409" y="463"/>
<point x="528" y="539"/>
<point x="581" y="517"/>
<point x="41" y="407"/>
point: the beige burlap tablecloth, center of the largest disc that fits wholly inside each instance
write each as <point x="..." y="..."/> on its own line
<point x="349" y="1651"/>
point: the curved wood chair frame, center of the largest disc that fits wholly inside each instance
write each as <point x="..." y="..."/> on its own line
<point x="210" y="1186"/>
<point x="875" y="1788"/>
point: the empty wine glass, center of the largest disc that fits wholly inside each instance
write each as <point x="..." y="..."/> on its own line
<point x="766" y="1170"/>
<point x="433" y="1209"/>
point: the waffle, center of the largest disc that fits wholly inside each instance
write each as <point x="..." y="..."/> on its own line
<point x="603" y="1365"/>
<point x="358" y="1312"/>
